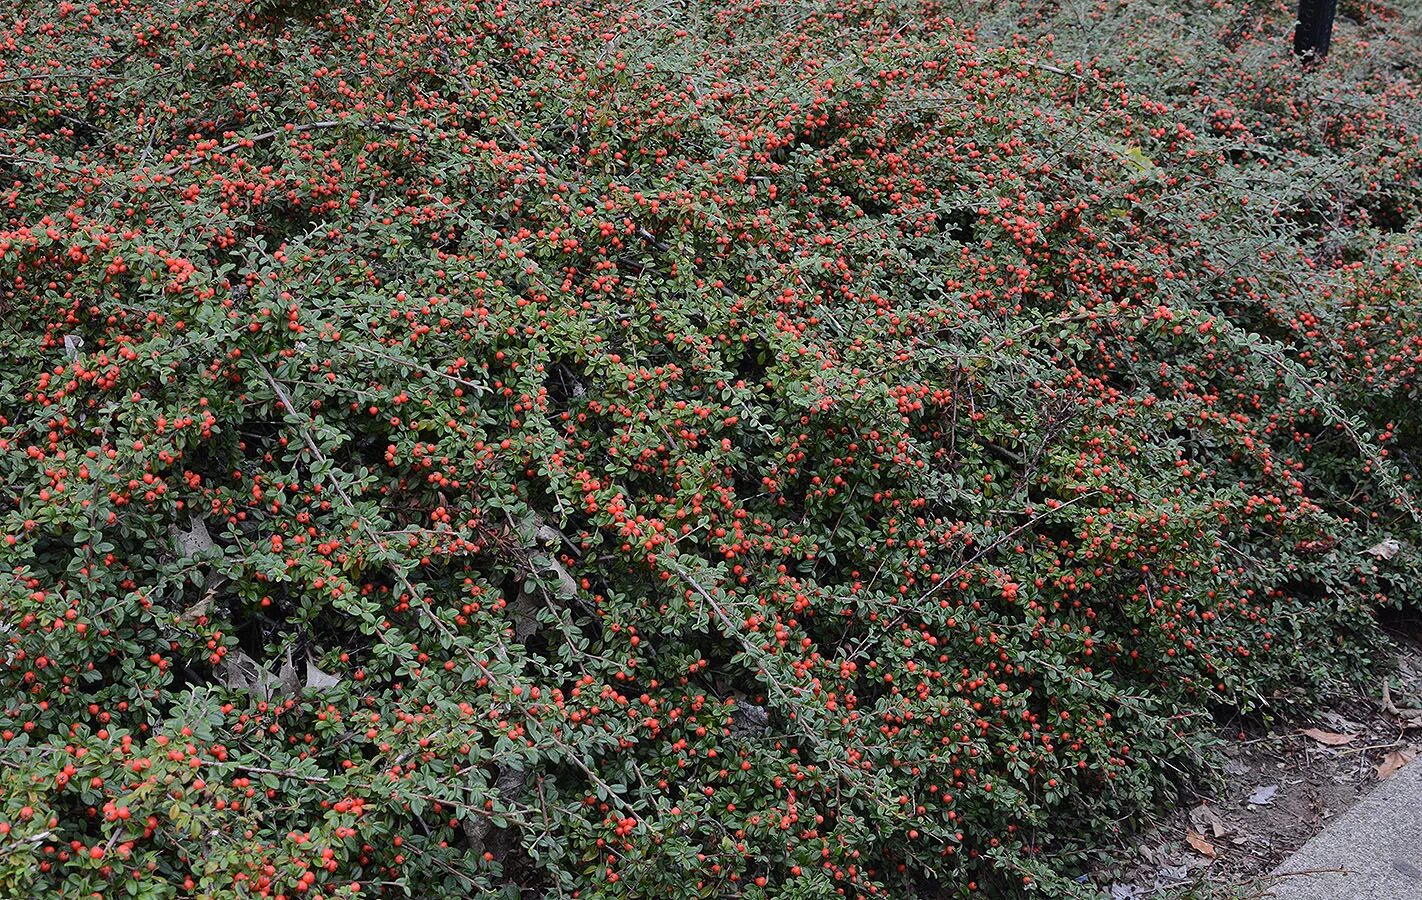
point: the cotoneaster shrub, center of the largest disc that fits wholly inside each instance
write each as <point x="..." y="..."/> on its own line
<point x="579" y="449"/>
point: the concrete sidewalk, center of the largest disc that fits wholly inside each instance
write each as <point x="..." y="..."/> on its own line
<point x="1371" y="852"/>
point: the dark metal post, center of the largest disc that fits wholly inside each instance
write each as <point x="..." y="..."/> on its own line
<point x="1314" y="29"/>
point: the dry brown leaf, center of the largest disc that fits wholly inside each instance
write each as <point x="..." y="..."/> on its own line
<point x="1204" y="817"/>
<point x="1394" y="761"/>
<point x="1411" y="717"/>
<point x="1331" y="738"/>
<point x="198" y="609"/>
<point x="1198" y="842"/>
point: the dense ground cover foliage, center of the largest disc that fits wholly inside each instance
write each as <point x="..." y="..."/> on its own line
<point x="682" y="450"/>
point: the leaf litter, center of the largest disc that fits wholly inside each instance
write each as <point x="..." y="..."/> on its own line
<point x="1278" y="787"/>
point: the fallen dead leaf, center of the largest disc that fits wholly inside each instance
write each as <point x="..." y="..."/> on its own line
<point x="1263" y="794"/>
<point x="1206" y="819"/>
<point x="195" y="540"/>
<point x="1173" y="874"/>
<point x="289" y="679"/>
<point x="241" y="672"/>
<point x="1200" y="845"/>
<point x="1331" y="738"/>
<point x="200" y="608"/>
<point x="1340" y="724"/>
<point x="317" y="680"/>
<point x="1384" y="549"/>
<point x="1411" y="717"/>
<point x="1394" y="761"/>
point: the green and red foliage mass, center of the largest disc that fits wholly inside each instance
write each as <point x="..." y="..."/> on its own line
<point x="589" y="449"/>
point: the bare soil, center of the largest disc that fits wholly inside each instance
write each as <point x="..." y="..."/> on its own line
<point x="1283" y="784"/>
